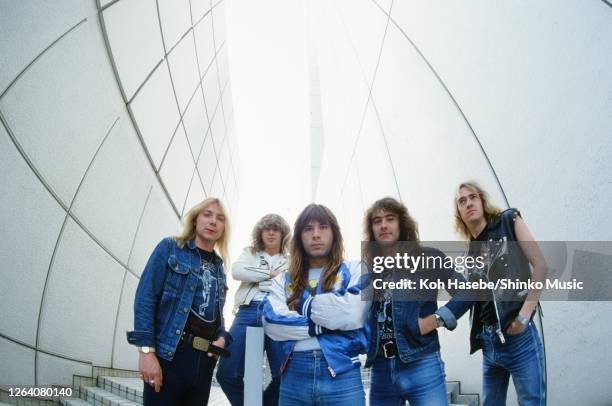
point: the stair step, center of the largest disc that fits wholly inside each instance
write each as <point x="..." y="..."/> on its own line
<point x="452" y="390"/>
<point x="100" y="397"/>
<point x="74" y="402"/>
<point x="129" y="388"/>
<point x="469" y="400"/>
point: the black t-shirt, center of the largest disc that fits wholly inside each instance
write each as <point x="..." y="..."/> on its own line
<point x="195" y="323"/>
<point x="385" y="319"/>
<point x="206" y="255"/>
<point x="385" y="313"/>
<point x="485" y="308"/>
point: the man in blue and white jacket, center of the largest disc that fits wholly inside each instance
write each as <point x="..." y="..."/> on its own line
<point x="317" y="311"/>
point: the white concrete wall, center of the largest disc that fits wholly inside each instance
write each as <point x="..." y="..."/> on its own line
<point x="116" y="118"/>
<point x="420" y="95"/>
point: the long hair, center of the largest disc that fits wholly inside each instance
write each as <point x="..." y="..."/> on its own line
<point x="265" y="223"/>
<point x="298" y="259"/>
<point x="409" y="230"/>
<point x="490" y="211"/>
<point x="408" y="226"/>
<point x="189" y="230"/>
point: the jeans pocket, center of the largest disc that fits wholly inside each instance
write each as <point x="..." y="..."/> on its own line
<point x="525" y="330"/>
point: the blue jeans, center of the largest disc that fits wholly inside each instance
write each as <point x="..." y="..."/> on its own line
<point x="185" y="380"/>
<point x="522" y="357"/>
<point x="307" y="381"/>
<point x="421" y="382"/>
<point x="230" y="373"/>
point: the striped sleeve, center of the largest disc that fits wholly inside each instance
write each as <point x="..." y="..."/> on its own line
<point x="280" y="323"/>
<point x="344" y="310"/>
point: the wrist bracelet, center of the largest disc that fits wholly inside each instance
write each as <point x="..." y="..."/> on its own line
<point x="522" y="319"/>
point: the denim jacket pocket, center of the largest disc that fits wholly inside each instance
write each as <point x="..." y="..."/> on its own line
<point x="176" y="266"/>
<point x="413" y="333"/>
<point x="176" y="276"/>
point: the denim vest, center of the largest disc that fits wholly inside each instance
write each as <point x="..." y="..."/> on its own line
<point x="509" y="262"/>
<point x="165" y="294"/>
<point x="410" y="343"/>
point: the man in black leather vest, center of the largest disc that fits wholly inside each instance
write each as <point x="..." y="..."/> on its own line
<point x="502" y="320"/>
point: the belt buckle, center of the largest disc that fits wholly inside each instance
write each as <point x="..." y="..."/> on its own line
<point x="384" y="348"/>
<point x="200" y="343"/>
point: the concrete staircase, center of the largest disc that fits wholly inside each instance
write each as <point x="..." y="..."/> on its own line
<point x="122" y="391"/>
<point x="456" y="398"/>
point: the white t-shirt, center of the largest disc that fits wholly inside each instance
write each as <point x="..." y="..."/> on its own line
<point x="311" y="343"/>
<point x="273" y="261"/>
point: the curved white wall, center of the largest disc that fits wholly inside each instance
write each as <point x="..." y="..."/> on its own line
<point x="418" y="96"/>
<point x="116" y="117"/>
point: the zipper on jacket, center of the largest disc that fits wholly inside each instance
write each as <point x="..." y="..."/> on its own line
<point x="246" y="297"/>
<point x="284" y="366"/>
<point x="378" y="334"/>
<point x="331" y="372"/>
<point x="499" y="332"/>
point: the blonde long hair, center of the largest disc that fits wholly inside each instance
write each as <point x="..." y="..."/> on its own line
<point x="490" y="211"/>
<point x="189" y="230"/>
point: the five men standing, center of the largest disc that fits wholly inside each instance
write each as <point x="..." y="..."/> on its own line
<point x="319" y="313"/>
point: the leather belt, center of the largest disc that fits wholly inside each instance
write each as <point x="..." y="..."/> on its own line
<point x="204" y="345"/>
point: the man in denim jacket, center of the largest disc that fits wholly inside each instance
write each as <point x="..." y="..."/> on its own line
<point x="404" y="350"/>
<point x="178" y="310"/>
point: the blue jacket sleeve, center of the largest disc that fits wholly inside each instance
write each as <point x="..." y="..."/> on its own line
<point x="148" y="294"/>
<point x="283" y="324"/>
<point x="343" y="310"/>
<point x="460" y="302"/>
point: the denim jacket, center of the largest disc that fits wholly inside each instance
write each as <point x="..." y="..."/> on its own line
<point x="410" y="343"/>
<point x="165" y="294"/>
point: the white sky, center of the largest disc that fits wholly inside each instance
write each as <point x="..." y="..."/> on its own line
<point x="269" y="76"/>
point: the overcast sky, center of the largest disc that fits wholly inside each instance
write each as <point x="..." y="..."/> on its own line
<point x="269" y="76"/>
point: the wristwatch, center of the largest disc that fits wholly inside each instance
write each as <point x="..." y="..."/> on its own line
<point x="146" y="350"/>
<point x="522" y="319"/>
<point x="439" y="321"/>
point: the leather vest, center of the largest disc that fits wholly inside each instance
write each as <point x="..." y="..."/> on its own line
<point x="505" y="260"/>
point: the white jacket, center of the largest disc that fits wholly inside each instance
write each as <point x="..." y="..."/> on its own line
<point x="254" y="273"/>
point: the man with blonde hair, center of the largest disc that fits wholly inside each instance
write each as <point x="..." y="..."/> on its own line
<point x="178" y="310"/>
<point x="502" y="324"/>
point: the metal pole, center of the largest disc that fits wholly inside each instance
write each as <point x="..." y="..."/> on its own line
<point x="253" y="362"/>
